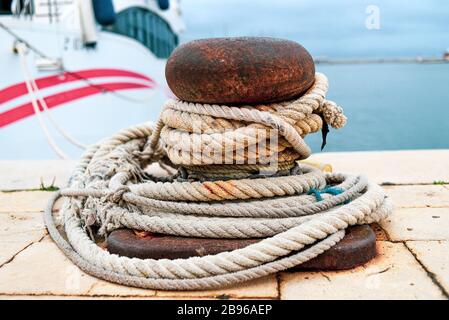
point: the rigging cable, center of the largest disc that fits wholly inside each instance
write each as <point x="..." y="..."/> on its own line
<point x="21" y="51"/>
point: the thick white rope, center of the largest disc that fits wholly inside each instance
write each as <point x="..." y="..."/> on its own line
<point x="194" y="134"/>
<point x="110" y="189"/>
<point x="291" y="227"/>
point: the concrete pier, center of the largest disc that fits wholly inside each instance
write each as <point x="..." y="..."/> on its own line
<point x="412" y="244"/>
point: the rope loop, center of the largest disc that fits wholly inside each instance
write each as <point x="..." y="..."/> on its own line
<point x="330" y="190"/>
<point x="198" y="194"/>
<point x="196" y="135"/>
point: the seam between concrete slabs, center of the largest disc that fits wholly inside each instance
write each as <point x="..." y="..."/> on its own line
<point x="429" y="273"/>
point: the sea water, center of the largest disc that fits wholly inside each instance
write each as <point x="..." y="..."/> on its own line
<point x="389" y="106"/>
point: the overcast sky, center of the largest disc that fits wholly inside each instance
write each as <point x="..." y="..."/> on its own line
<point x="327" y="28"/>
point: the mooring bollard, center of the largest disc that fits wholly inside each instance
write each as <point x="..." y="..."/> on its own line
<point x="239" y="71"/>
<point x="227" y="215"/>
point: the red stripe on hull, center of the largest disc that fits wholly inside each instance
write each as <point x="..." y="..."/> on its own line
<point x="58" y="99"/>
<point x="20" y="89"/>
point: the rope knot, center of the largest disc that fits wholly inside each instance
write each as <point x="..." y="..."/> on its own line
<point x="116" y="195"/>
<point x="333" y="114"/>
<point x="330" y="190"/>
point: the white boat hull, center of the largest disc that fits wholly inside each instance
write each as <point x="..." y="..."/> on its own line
<point x="115" y="85"/>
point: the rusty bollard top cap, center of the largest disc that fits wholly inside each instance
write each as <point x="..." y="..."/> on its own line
<point x="239" y="70"/>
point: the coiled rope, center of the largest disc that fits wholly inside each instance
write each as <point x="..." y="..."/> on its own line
<point x="110" y="189"/>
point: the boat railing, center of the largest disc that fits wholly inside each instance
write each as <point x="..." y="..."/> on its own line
<point x="50" y="10"/>
<point x="22" y="8"/>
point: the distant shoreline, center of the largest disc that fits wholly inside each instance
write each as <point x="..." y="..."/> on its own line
<point x="381" y="60"/>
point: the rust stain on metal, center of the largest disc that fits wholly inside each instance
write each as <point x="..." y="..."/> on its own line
<point x="356" y="248"/>
<point x="239" y="70"/>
